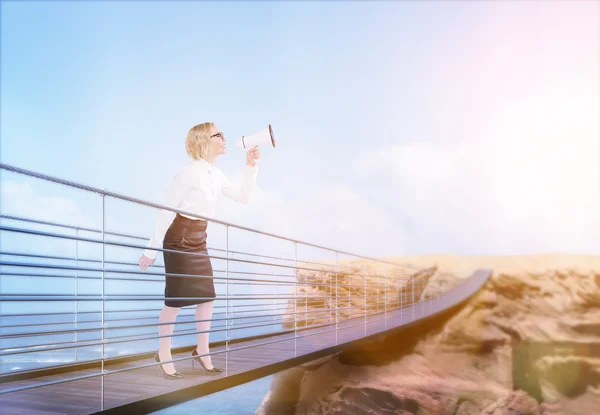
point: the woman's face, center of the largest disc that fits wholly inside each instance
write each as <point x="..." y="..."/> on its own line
<point x="217" y="142"/>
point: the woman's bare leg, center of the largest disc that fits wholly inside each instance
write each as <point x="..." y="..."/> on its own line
<point x="168" y="314"/>
<point x="204" y="312"/>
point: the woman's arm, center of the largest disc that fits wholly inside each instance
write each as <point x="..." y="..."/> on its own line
<point x="180" y="185"/>
<point x="242" y="193"/>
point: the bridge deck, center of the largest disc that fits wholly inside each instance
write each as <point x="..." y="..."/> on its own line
<point x="148" y="390"/>
<point x="84" y="396"/>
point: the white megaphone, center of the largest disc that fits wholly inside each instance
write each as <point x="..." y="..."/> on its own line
<point x="263" y="137"/>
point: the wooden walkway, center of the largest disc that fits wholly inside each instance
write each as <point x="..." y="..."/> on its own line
<point x="143" y="390"/>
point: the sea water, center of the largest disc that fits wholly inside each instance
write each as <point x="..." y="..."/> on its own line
<point x="240" y="400"/>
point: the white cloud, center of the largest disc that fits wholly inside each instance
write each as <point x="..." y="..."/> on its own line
<point x="530" y="183"/>
<point x="20" y="199"/>
<point x="329" y="215"/>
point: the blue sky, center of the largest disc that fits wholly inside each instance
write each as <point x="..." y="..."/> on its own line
<point x="402" y="127"/>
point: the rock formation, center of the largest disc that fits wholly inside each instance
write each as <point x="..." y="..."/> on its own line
<point x="461" y="362"/>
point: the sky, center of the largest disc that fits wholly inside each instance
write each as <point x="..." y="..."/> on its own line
<point x="401" y="127"/>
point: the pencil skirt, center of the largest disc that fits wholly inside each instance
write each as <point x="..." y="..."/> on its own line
<point x="188" y="270"/>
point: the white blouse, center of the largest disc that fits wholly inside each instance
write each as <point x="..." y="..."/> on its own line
<point x="196" y="189"/>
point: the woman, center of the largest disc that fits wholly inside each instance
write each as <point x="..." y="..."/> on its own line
<point x="195" y="189"/>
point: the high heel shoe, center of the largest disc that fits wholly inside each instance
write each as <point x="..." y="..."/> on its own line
<point x="199" y="360"/>
<point x="176" y="375"/>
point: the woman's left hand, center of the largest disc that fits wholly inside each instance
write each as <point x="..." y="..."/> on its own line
<point x="252" y="155"/>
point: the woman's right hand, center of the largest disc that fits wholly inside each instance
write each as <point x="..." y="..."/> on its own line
<point x="145" y="262"/>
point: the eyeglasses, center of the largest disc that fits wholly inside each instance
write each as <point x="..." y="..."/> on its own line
<point x="220" y="135"/>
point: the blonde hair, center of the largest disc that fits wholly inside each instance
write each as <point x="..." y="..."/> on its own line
<point x="197" y="142"/>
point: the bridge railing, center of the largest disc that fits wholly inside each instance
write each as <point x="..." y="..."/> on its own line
<point x="90" y="303"/>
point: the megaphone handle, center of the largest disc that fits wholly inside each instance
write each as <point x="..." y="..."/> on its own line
<point x="257" y="161"/>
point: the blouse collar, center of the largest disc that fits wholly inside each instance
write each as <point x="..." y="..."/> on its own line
<point x="205" y="163"/>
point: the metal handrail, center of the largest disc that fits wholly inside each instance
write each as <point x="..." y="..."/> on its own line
<point x="268" y="274"/>
<point x="134" y="318"/>
<point x="142" y="310"/>
<point x="245" y="281"/>
<point x="144" y="297"/>
<point x="137" y="337"/>
<point x="104" y="373"/>
<point x="108" y="327"/>
<point x="61" y="225"/>
<point x="40" y="233"/>
<point x="361" y="304"/>
<point x="115" y="195"/>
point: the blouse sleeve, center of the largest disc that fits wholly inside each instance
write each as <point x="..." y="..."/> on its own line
<point x="241" y="193"/>
<point x="180" y="185"/>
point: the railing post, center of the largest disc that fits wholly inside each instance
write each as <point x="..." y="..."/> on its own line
<point x="349" y="307"/>
<point x="331" y="309"/>
<point x="103" y="302"/>
<point x="429" y="299"/>
<point x="385" y="305"/>
<point x="306" y="301"/>
<point x="420" y="297"/>
<point x="336" y="299"/>
<point x="378" y="282"/>
<point x="413" y="297"/>
<point x="227" y="300"/>
<point x="424" y="299"/>
<point x="365" y="288"/>
<point x="296" y="299"/>
<point x="397" y="296"/>
<point x="76" y="294"/>
<point x="401" y="290"/>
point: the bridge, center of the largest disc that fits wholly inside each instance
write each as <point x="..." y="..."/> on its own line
<point x="78" y="330"/>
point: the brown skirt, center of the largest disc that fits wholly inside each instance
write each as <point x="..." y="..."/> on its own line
<point x="187" y="235"/>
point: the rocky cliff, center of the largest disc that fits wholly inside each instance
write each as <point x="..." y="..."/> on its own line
<point x="527" y="343"/>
